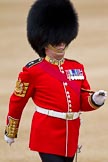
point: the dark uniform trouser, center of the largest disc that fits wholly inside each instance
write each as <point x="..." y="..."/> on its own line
<point x="55" y="158"/>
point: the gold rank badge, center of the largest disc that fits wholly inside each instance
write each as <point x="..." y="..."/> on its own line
<point x="21" y="88"/>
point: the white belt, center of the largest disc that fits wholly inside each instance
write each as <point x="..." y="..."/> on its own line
<point x="61" y="115"/>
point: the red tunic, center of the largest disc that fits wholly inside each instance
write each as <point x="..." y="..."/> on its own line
<point x="50" y="134"/>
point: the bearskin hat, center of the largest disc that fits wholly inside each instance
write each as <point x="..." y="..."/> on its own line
<point x="51" y="22"/>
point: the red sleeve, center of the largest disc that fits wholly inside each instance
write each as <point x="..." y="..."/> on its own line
<point x="23" y="91"/>
<point x="86" y="102"/>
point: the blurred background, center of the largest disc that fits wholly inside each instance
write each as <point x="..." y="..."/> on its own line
<point x="89" y="48"/>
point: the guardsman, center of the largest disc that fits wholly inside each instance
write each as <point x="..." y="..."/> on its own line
<point x="58" y="86"/>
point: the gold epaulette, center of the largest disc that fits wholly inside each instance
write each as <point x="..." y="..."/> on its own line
<point x="12" y="128"/>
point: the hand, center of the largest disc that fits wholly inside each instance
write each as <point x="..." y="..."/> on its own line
<point x="8" y="140"/>
<point x="99" y="97"/>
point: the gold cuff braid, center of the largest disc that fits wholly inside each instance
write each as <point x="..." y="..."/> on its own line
<point x="92" y="104"/>
<point x="12" y="128"/>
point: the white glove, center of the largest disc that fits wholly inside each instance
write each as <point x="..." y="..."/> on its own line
<point x="8" y="140"/>
<point x="99" y="97"/>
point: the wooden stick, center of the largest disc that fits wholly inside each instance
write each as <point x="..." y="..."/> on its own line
<point x="87" y="90"/>
<point x="91" y="91"/>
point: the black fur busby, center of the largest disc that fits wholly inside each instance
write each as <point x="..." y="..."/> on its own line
<point x="51" y="22"/>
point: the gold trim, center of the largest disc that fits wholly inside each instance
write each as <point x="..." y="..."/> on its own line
<point x="69" y="116"/>
<point x="91" y="103"/>
<point x="54" y="61"/>
<point x="21" y="88"/>
<point x="12" y="127"/>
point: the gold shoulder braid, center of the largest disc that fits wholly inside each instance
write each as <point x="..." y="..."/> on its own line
<point x="12" y="128"/>
<point x="21" y="88"/>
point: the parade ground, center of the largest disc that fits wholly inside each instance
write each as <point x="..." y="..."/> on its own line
<point x="90" y="48"/>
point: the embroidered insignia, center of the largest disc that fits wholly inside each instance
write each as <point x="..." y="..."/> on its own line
<point x="21" y="88"/>
<point x="12" y="128"/>
<point x="75" y="74"/>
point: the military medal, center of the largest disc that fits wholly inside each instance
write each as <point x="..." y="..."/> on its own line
<point x="74" y="74"/>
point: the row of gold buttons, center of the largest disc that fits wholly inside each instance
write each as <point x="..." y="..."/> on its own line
<point x="67" y="92"/>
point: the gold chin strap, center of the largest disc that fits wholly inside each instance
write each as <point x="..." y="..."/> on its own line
<point x="55" y="50"/>
<point x="54" y="61"/>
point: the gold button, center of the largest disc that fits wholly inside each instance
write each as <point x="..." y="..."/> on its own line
<point x="65" y="84"/>
<point x="12" y="132"/>
<point x="67" y="92"/>
<point x="13" y="129"/>
<point x="69" y="101"/>
<point x="70" y="110"/>
<point x="68" y="96"/>
<point x="62" y="71"/>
